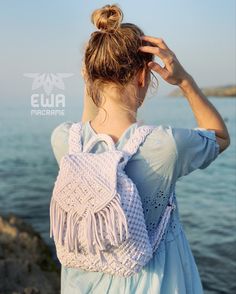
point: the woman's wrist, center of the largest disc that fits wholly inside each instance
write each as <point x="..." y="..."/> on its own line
<point x="189" y="87"/>
<point x="186" y="83"/>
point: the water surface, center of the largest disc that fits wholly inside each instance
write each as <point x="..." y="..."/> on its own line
<point x="206" y="197"/>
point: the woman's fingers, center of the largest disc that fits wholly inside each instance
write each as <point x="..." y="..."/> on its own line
<point x="154" y="50"/>
<point x="156" y="41"/>
<point x="157" y="68"/>
<point x="166" y="57"/>
<point x="159" y="49"/>
<point x="172" y="72"/>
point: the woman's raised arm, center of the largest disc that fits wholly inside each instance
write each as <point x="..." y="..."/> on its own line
<point x="206" y="115"/>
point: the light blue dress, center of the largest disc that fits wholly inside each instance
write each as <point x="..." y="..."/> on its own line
<point x="166" y="155"/>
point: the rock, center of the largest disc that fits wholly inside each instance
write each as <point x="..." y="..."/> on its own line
<point x="26" y="265"/>
<point x="31" y="291"/>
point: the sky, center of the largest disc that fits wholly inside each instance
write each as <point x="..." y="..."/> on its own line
<point x="49" y="36"/>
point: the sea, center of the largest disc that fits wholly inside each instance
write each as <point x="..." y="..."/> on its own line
<point x="206" y="198"/>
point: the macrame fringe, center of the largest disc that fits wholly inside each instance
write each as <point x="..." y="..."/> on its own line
<point x="64" y="227"/>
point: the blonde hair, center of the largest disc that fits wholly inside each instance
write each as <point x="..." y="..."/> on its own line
<point x="112" y="54"/>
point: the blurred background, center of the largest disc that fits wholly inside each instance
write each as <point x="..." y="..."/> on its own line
<point x="42" y="45"/>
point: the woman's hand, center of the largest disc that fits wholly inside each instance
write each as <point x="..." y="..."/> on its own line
<point x="173" y="72"/>
<point x="205" y="113"/>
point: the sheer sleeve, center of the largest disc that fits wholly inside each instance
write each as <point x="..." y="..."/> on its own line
<point x="196" y="149"/>
<point x="59" y="140"/>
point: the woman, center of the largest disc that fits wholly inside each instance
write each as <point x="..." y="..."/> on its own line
<point x="117" y="69"/>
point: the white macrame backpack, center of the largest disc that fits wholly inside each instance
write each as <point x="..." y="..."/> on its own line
<point x="96" y="214"/>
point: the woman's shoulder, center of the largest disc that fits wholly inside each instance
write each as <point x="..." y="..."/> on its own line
<point x="162" y="131"/>
<point x="161" y="136"/>
<point x="60" y="134"/>
<point x="61" y="131"/>
<point x="59" y="139"/>
<point x="159" y="150"/>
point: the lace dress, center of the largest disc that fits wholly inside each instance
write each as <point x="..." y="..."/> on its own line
<point x="166" y="155"/>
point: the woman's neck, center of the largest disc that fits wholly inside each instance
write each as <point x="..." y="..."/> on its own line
<point x="114" y="116"/>
<point x="117" y="106"/>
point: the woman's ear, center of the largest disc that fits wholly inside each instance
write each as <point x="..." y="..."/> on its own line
<point x="142" y="77"/>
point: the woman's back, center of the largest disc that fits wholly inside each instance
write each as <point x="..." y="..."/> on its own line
<point x="117" y="70"/>
<point x="166" y="155"/>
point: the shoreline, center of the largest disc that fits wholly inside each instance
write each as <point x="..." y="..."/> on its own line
<point x="227" y="91"/>
<point x="26" y="263"/>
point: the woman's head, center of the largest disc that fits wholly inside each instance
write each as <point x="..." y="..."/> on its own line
<point x="112" y="56"/>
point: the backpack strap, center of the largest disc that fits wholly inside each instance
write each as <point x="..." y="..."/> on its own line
<point x="130" y="148"/>
<point x="134" y="142"/>
<point x="75" y="144"/>
<point x="99" y="137"/>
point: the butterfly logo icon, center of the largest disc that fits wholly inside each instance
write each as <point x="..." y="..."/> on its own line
<point x="48" y="81"/>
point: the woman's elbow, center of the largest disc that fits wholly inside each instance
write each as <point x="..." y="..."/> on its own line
<point x="223" y="143"/>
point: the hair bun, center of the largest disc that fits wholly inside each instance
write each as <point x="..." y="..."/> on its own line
<point x="108" y="18"/>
